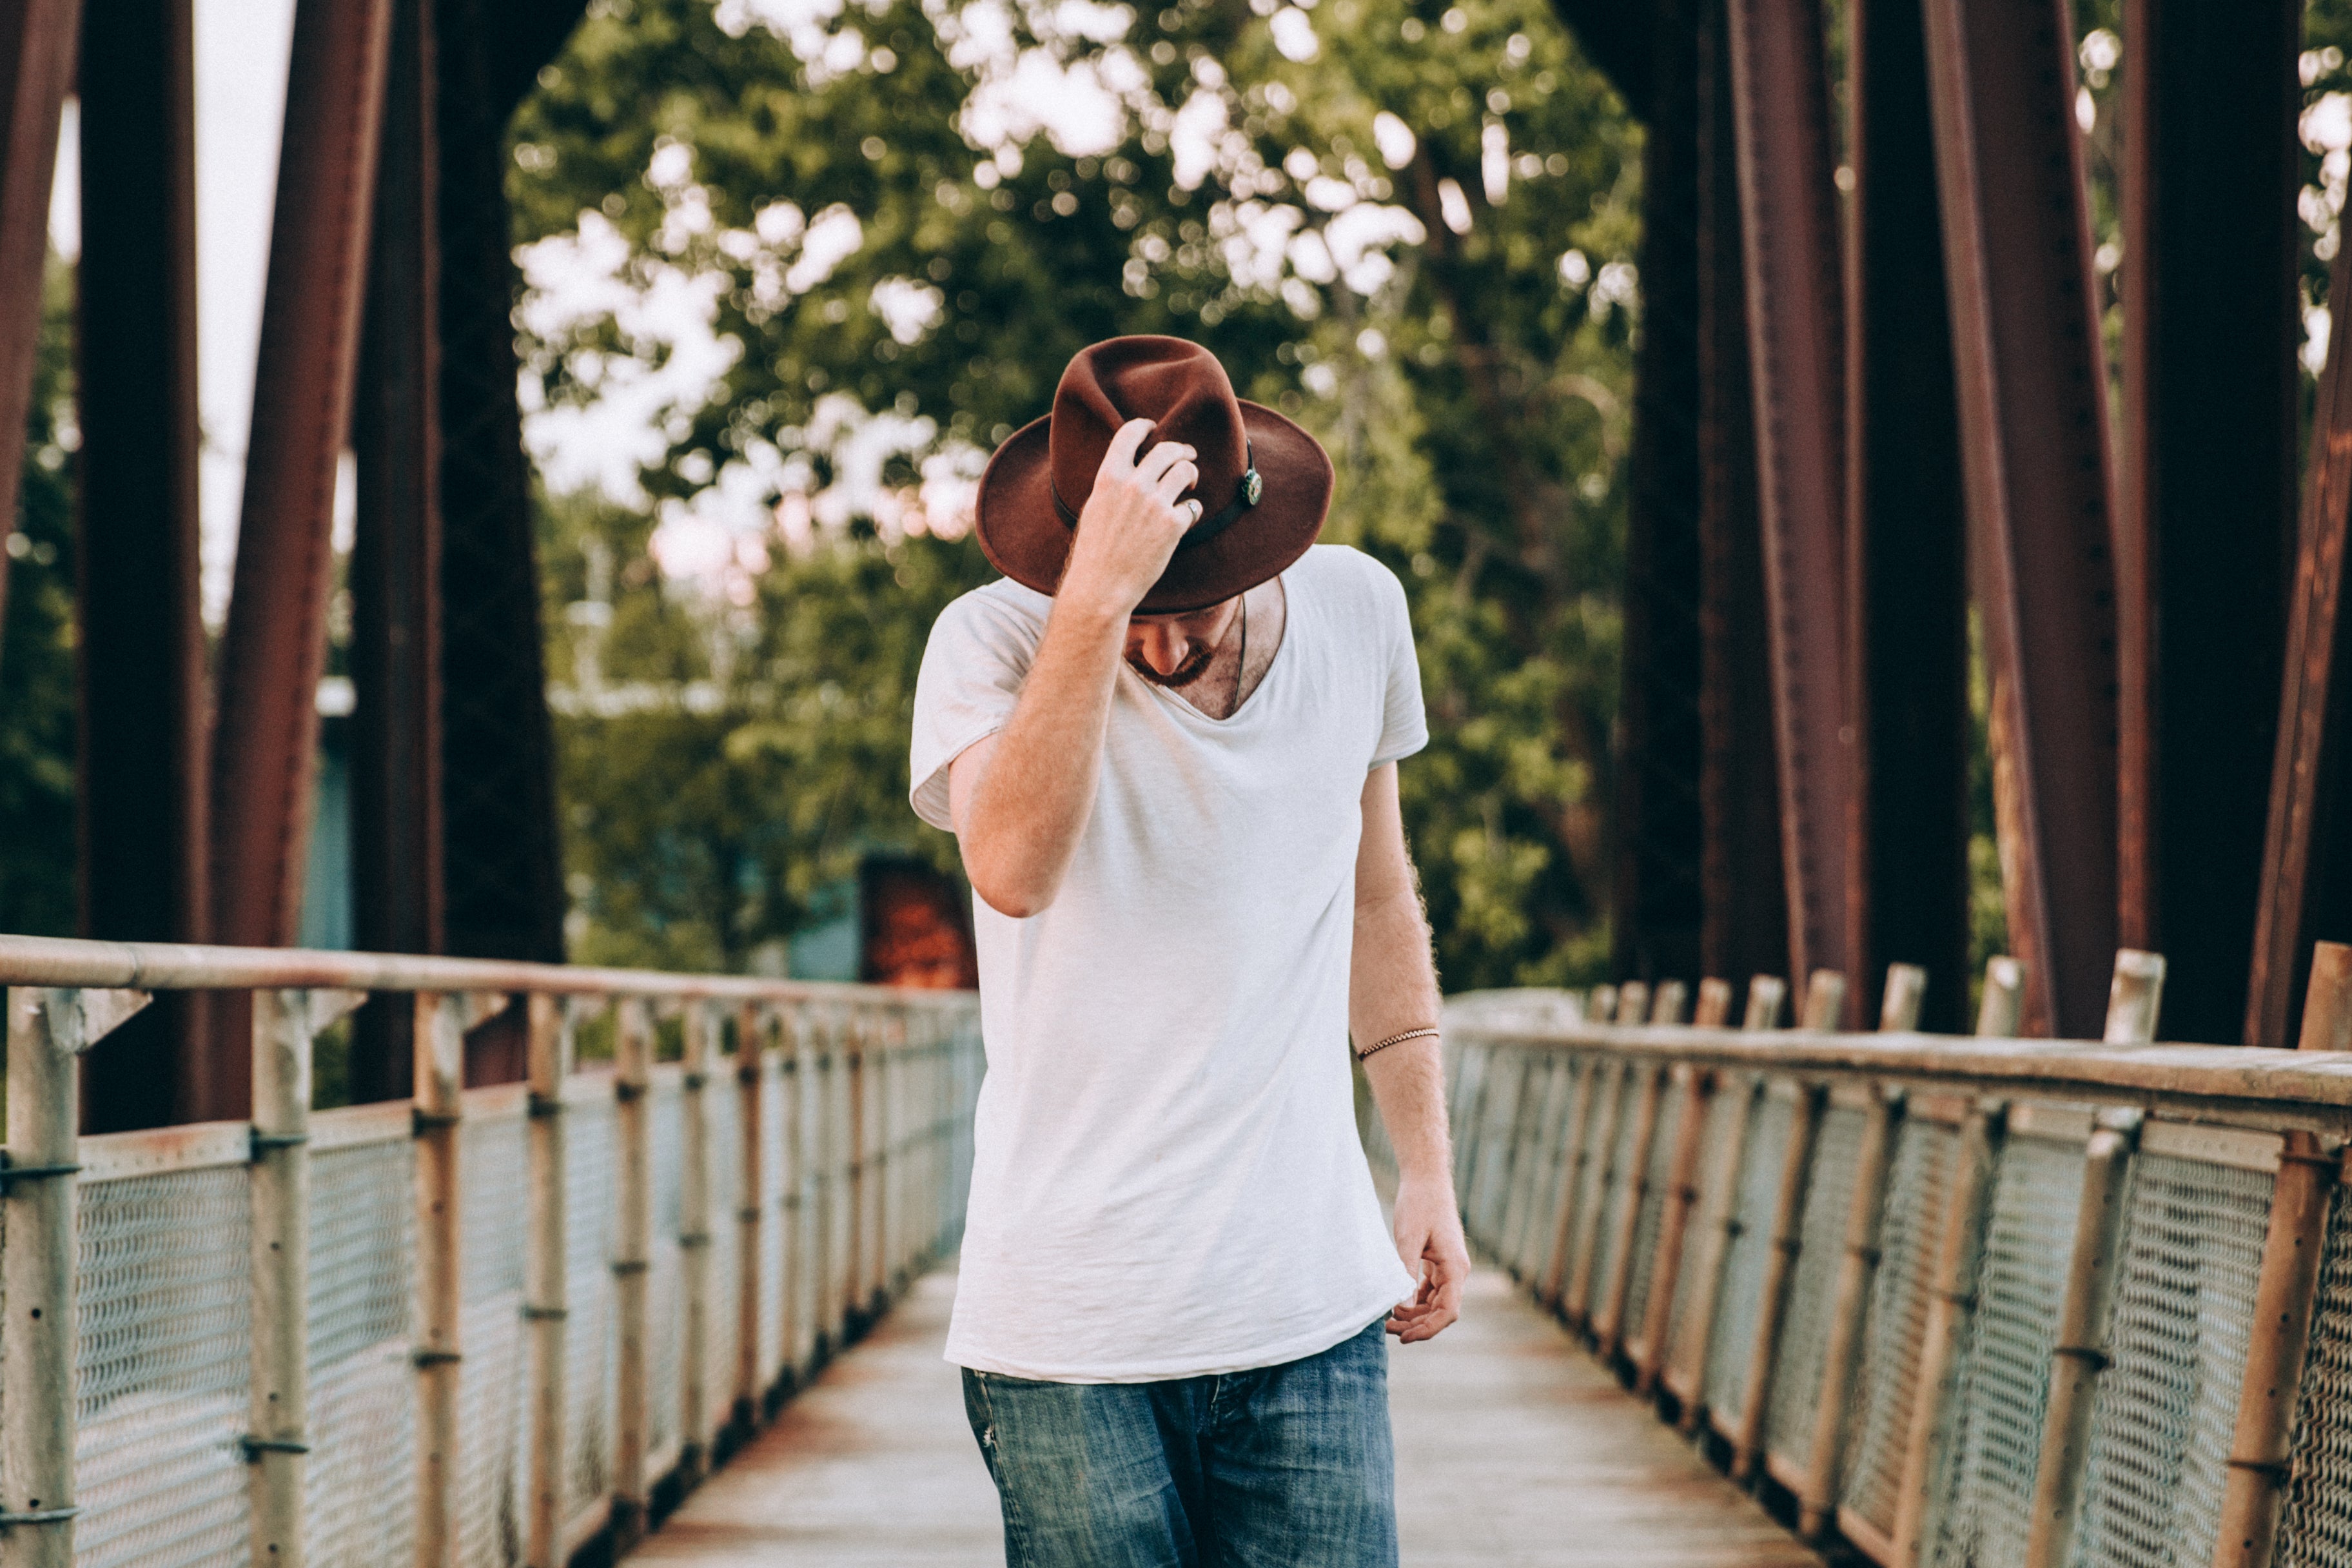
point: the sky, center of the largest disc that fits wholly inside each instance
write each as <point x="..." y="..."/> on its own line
<point x="242" y="47"/>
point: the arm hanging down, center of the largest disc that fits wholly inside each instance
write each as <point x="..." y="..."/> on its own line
<point x="1392" y="987"/>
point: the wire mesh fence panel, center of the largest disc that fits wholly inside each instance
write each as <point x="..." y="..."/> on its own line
<point x="1740" y="1296"/>
<point x="363" y="1382"/>
<point x="1618" y="1179"/>
<point x="1887" y="1387"/>
<point x="492" y="1432"/>
<point x="773" y="1185"/>
<point x="1561" y="1183"/>
<point x="1655" y="1180"/>
<point x="1539" y="1141"/>
<point x="1506" y="1076"/>
<point x="1798" y="1356"/>
<point x="163" y="1370"/>
<point x="1993" y="1444"/>
<point x="2315" y="1515"/>
<point x="1462" y="1114"/>
<point x="666" y="1280"/>
<point x="1725" y="1109"/>
<point x="591" y="1327"/>
<point x="2168" y="1401"/>
<point x="723" y="1122"/>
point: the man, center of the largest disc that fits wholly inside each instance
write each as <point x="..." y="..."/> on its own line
<point x="1167" y="743"/>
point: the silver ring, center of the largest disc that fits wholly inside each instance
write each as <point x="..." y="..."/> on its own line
<point x="1194" y="510"/>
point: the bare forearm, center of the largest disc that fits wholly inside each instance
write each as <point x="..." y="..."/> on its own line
<point x="1033" y="795"/>
<point x="1393" y="986"/>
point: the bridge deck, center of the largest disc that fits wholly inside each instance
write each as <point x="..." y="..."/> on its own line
<point x="1512" y="1448"/>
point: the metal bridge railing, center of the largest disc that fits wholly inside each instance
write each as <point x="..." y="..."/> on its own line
<point x="1967" y="1302"/>
<point x="473" y="1327"/>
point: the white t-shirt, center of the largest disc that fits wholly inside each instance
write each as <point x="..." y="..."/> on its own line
<point x="1167" y="1180"/>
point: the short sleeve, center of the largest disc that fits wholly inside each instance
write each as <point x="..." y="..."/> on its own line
<point x="1404" y="728"/>
<point x="979" y="652"/>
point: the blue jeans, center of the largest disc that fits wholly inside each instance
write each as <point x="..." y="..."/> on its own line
<point x="1281" y="1467"/>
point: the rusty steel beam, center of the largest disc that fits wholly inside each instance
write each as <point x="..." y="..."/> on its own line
<point x="37" y="58"/>
<point x="2306" y="886"/>
<point x="395" y="567"/>
<point x="1745" y="901"/>
<point x="501" y="864"/>
<point x="2032" y="419"/>
<point x="1659" y="908"/>
<point x="1790" y="233"/>
<point x="1619" y="40"/>
<point x="1906" y="559"/>
<point x="2207" y="517"/>
<point x="140" y="647"/>
<point x="275" y="646"/>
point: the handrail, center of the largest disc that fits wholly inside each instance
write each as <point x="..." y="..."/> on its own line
<point x="160" y="967"/>
<point x="429" y="1330"/>
<point x="2258" y="1076"/>
<point x="2006" y="1302"/>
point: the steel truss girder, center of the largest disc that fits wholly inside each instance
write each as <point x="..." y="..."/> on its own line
<point x="1659" y="907"/>
<point x="36" y="59"/>
<point x="1906" y="561"/>
<point x="2306" y="886"/>
<point x="1744" y="927"/>
<point x="2032" y="420"/>
<point x="1790" y="233"/>
<point x="2206" y="514"/>
<point x="140" y="647"/>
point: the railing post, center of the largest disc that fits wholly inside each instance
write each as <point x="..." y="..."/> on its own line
<point x="2260" y="1449"/>
<point x="1898" y="1008"/>
<point x="882" y="1085"/>
<point x="632" y="1261"/>
<point x="2002" y="1005"/>
<point x="1824" y="1001"/>
<point x="1721" y="1211"/>
<point x="793" y="1151"/>
<point x="752" y="1027"/>
<point x="857" y="1044"/>
<point x="1667" y="1007"/>
<point x="546" y="1301"/>
<point x="1952" y="1303"/>
<point x="439" y="1108"/>
<point x="1593" y="1203"/>
<point x="694" y="1240"/>
<point x="2080" y="1353"/>
<point x="2134" y="997"/>
<point x="1714" y="1010"/>
<point x="1673" y="1218"/>
<point x="1608" y="1320"/>
<point x="1780" y="1266"/>
<point x="278" y="1437"/>
<point x="48" y="1031"/>
<point x="1843" y="1352"/>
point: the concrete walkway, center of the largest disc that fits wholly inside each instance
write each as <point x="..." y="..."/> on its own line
<point x="1512" y="1448"/>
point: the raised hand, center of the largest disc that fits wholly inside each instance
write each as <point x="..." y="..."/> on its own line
<point x="1132" y="522"/>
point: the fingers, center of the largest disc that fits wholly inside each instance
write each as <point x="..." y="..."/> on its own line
<point x="1155" y="463"/>
<point x="1123" y="445"/>
<point x="1179" y="477"/>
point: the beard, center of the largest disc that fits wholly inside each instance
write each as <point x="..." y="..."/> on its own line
<point x="1194" y="666"/>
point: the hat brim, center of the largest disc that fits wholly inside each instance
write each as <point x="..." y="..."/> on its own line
<point x="1024" y="535"/>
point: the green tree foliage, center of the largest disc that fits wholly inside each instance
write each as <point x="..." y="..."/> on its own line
<point x="829" y="256"/>
<point x="36" y="651"/>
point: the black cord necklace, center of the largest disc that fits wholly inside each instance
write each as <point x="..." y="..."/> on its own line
<point x="1241" y="667"/>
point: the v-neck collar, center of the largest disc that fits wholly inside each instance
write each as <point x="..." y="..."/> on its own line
<point x="1251" y="697"/>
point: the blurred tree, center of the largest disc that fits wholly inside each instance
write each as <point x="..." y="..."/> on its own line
<point x="36" y="647"/>
<point x="795" y="269"/>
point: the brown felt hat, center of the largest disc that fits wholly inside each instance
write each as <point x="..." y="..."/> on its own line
<point x="1264" y="483"/>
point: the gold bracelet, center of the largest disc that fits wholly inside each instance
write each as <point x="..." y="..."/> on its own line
<point x="1426" y="1031"/>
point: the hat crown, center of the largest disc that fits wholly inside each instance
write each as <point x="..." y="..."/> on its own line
<point x="1178" y="385"/>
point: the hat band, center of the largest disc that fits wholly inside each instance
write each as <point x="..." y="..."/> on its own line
<point x="1252" y="488"/>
